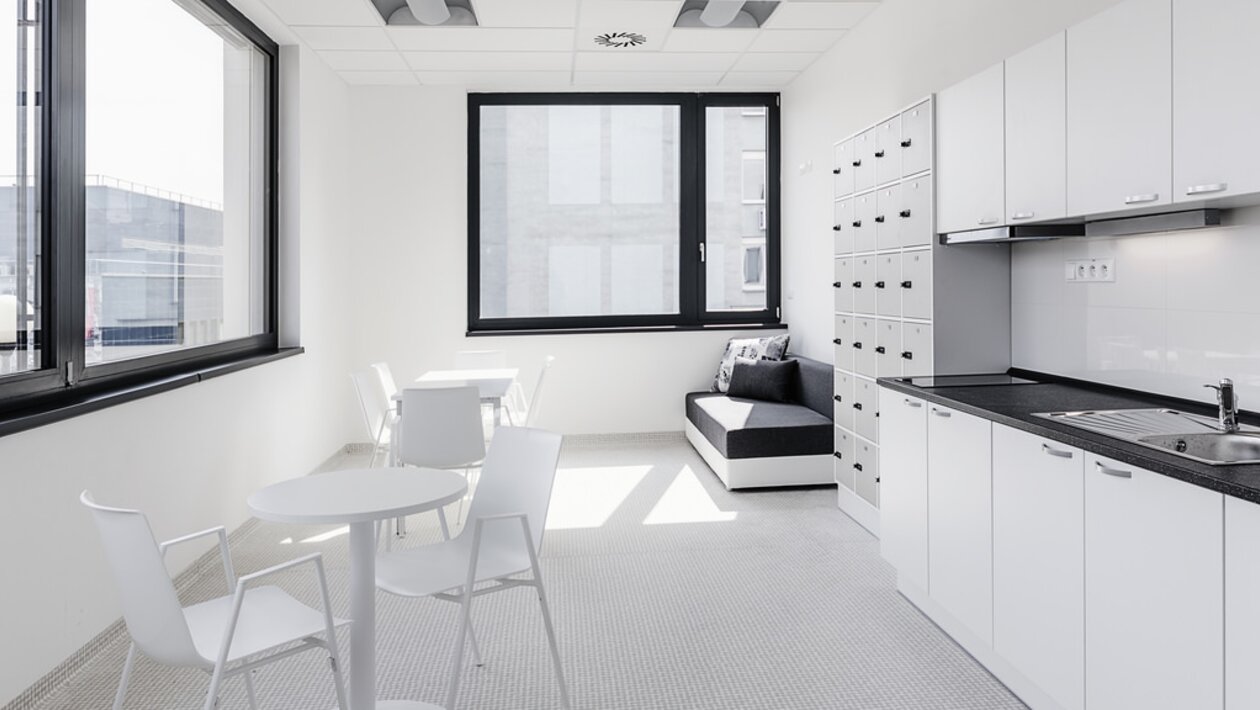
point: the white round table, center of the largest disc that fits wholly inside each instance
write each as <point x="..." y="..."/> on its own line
<point x="359" y="498"/>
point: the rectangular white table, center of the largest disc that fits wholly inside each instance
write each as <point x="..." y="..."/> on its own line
<point x="493" y="385"/>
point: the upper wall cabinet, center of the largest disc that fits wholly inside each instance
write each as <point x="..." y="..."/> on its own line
<point x="1216" y="89"/>
<point x="1036" y="132"/>
<point x="970" y="158"/>
<point x="1119" y="108"/>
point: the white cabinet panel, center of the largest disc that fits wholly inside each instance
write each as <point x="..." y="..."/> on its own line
<point x="866" y="417"/>
<point x="1242" y="614"/>
<point x="865" y="338"/>
<point x="888" y="151"/>
<point x="842" y="169"/>
<point x="843" y="285"/>
<point x="888" y="349"/>
<point x="1119" y="108"/>
<point x="844" y="459"/>
<point x="866" y="471"/>
<point x="888" y="218"/>
<point x="916" y="139"/>
<point x="888" y="285"/>
<point x="1154" y="585"/>
<point x="843" y="400"/>
<point x="916" y="212"/>
<point x="864" y="161"/>
<point x="916" y="345"/>
<point x="970" y="155"/>
<point x="865" y="274"/>
<point x="843" y="227"/>
<point x="1039" y="562"/>
<point x="843" y="340"/>
<point x="864" y="214"/>
<point x="916" y="284"/>
<point x="1216" y="98"/>
<point x="1036" y="132"/>
<point x="960" y="518"/>
<point x="903" y="515"/>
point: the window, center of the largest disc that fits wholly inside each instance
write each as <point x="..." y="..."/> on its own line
<point x="622" y="211"/>
<point x="148" y="249"/>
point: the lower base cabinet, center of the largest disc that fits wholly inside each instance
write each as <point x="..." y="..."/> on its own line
<point x="1154" y="590"/>
<point x="903" y="510"/>
<point x="1242" y="604"/>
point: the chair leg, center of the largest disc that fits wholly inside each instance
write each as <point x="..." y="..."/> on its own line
<point x="212" y="693"/>
<point x="400" y="527"/>
<point x="334" y="660"/>
<point x="476" y="647"/>
<point x="121" y="695"/>
<point x="249" y="690"/>
<point x="446" y="531"/>
<point x="464" y="626"/>
<point x="551" y="631"/>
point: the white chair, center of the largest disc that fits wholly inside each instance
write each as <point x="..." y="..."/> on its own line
<point x="441" y="428"/>
<point x="387" y="379"/>
<point x="480" y="360"/>
<point x="228" y="636"/>
<point x="522" y="411"/>
<point x="509" y="514"/>
<point x="378" y="411"/>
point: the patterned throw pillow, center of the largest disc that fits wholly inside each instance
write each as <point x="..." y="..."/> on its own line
<point x="771" y="348"/>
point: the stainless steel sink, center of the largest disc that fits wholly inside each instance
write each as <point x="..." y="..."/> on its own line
<point x="1190" y="436"/>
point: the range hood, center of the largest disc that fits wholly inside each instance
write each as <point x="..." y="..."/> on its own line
<point x="1144" y="224"/>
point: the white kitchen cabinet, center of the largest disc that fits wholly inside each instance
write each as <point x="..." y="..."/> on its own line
<point x="888" y="285"/>
<point x="864" y="214"/>
<point x="916" y="139"/>
<point x="888" y="218"/>
<point x="1242" y="614"/>
<point x="1154" y="585"/>
<point x="843" y="225"/>
<point x="970" y="153"/>
<point x="844" y="459"/>
<point x="888" y="348"/>
<point x="843" y="340"/>
<point x="842" y="171"/>
<point x="843" y="400"/>
<point x="916" y="349"/>
<point x="1119" y="108"/>
<point x="865" y="336"/>
<point x="960" y="518"/>
<point x="1216" y="98"/>
<point x="1036" y="132"/>
<point x="866" y="471"/>
<point x="1039" y="562"/>
<point x="866" y="404"/>
<point x="888" y="151"/>
<point x="843" y="284"/>
<point x="916" y="284"/>
<point x="864" y="160"/>
<point x="903" y="539"/>
<point x="865" y="274"/>
<point x="916" y="212"/>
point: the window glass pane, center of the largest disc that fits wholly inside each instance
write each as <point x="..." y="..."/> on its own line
<point x="735" y="209"/>
<point x="176" y="192"/>
<point x="579" y="210"/>
<point x="20" y="265"/>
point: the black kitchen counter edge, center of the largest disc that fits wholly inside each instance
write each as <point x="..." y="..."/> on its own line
<point x="1013" y="405"/>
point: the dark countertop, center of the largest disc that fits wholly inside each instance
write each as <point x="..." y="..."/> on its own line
<point x="1013" y="405"/>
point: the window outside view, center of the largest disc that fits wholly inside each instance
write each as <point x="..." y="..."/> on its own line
<point x="735" y="208"/>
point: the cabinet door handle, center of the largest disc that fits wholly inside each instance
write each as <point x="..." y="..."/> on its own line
<point x="857" y="163"/>
<point x="857" y="284"/>
<point x="913" y="404"/>
<point x="837" y="341"/>
<point x="941" y="413"/>
<point x="835" y="171"/>
<point x="1023" y="215"/>
<point x="905" y="214"/>
<point x="857" y="224"/>
<point x="879" y="219"/>
<point x="836" y="228"/>
<point x="906" y="143"/>
<point x="879" y="284"/>
<point x="987" y="220"/>
<point x="1204" y="189"/>
<point x="838" y="284"/>
<point x="907" y="284"/>
<point x="1045" y="448"/>
<point x="881" y="349"/>
<point x="879" y="154"/>
<point x="857" y="346"/>
<point x="857" y="466"/>
<point x="838" y="398"/>
<point x="857" y="406"/>
<point x="907" y="355"/>
<point x="838" y="455"/>
<point x="1139" y="199"/>
<point x="1112" y="471"/>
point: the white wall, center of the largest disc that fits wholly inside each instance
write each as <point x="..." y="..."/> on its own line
<point x="191" y="456"/>
<point x="903" y="51"/>
<point x="1180" y="314"/>
<point x="409" y="168"/>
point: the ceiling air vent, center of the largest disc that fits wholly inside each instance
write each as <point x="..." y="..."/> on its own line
<point x="620" y="39"/>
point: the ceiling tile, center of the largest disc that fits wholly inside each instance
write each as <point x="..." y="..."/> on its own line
<point x="481" y="39"/>
<point x="767" y="79"/>
<point x="489" y="61"/>
<point x="795" y="40"/>
<point x="341" y="13"/>
<point x="364" y="61"/>
<point x="708" y="40"/>
<point x="659" y="80"/>
<point x="526" y="13"/>
<point x="655" y="61"/>
<point x="619" y="15"/>
<point x="819" y="15"/>
<point x="775" y="61"/>
<point x="497" y="80"/>
<point x="369" y="38"/>
<point x="379" y="78"/>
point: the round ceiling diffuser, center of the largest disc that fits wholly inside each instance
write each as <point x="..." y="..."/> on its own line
<point x="620" y="39"/>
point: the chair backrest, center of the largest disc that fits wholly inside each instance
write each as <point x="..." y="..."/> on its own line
<point x="532" y="418"/>
<point x="517" y="477"/>
<point x="441" y="427"/>
<point x="480" y="360"/>
<point x="372" y="400"/>
<point x="151" y="608"/>
<point x="388" y="386"/>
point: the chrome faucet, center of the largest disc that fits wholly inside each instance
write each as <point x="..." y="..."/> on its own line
<point x="1228" y="402"/>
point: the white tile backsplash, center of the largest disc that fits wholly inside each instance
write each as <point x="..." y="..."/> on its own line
<point x="1184" y="310"/>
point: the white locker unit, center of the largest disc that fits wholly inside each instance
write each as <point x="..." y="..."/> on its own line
<point x="916" y="138"/>
<point x="888" y="348"/>
<point x="865" y="274"/>
<point x="843" y="227"/>
<point x="842" y="169"/>
<point x="888" y="151"/>
<point x="916" y="212"/>
<point x="866" y="408"/>
<point x="865" y="337"/>
<point x="866" y="471"/>
<point x="864" y="160"/>
<point x="888" y="285"/>
<point x="843" y="284"/>
<point x="843" y="399"/>
<point x="844" y="459"/>
<point x="843" y="341"/>
<point x="864" y="224"/>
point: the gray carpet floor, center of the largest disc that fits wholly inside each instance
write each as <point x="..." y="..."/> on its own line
<point x="668" y="592"/>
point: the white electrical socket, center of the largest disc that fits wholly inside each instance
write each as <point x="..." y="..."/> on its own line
<point x="1090" y="270"/>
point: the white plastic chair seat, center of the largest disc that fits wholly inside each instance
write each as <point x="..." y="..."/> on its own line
<point x="269" y="618"/>
<point x="429" y="569"/>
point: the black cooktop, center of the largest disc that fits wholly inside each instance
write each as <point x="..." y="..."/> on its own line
<point x="966" y="380"/>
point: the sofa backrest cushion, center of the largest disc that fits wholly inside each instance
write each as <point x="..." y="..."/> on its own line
<point x="815" y="384"/>
<point x="768" y="380"/>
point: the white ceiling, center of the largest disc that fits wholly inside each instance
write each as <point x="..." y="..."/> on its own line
<point x="549" y="45"/>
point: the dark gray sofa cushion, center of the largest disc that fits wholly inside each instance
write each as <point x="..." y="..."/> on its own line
<point x="745" y="428"/>
<point x="766" y="380"/>
<point x="815" y="384"/>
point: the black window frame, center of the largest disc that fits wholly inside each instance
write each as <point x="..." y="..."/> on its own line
<point x="693" y="314"/>
<point x="63" y="385"/>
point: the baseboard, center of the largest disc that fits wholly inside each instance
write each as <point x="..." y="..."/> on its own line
<point x="649" y="437"/>
<point x="861" y="511"/>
